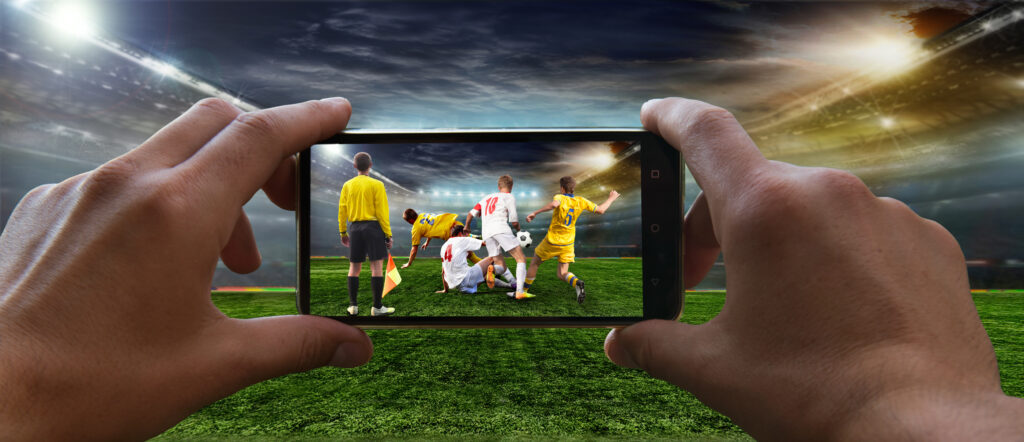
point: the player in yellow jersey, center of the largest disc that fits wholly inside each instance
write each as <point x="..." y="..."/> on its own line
<point x="558" y="243"/>
<point x="429" y="226"/>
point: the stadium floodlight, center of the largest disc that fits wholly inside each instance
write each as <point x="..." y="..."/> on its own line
<point x="887" y="122"/>
<point x="888" y="56"/>
<point x="21" y="4"/>
<point x="333" y="151"/>
<point x="74" y="19"/>
<point x="1020" y="82"/>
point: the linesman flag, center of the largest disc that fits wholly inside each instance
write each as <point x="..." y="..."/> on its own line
<point x="391" y="276"/>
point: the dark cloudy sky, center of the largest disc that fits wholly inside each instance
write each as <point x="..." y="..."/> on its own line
<point x="458" y="64"/>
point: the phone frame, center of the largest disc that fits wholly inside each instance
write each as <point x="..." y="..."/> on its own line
<point x="662" y="190"/>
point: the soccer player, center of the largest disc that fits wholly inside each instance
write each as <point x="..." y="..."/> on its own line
<point x="496" y="211"/>
<point x="558" y="242"/>
<point x="364" y="203"/>
<point x="429" y="226"/>
<point x="457" y="274"/>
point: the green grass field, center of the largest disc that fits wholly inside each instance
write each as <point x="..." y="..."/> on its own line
<point x="605" y="279"/>
<point x="500" y="384"/>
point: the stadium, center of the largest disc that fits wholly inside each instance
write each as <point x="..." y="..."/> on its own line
<point x="935" y="124"/>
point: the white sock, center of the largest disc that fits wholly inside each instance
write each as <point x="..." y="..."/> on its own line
<point x="501" y="283"/>
<point x="498" y="269"/>
<point x="520" y="276"/>
<point x="507" y="275"/>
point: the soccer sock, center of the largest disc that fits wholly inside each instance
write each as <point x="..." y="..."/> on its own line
<point x="473" y="259"/>
<point x="500" y="283"/>
<point x="571" y="279"/>
<point x="377" y="283"/>
<point x="508" y="276"/>
<point x="520" y="276"/>
<point x="353" y="290"/>
<point x="526" y="286"/>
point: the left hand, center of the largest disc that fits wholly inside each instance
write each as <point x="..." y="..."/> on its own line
<point x="388" y="242"/>
<point x="118" y="338"/>
<point x="530" y="217"/>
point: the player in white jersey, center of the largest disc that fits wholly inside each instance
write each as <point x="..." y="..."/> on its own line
<point x="457" y="274"/>
<point x="496" y="212"/>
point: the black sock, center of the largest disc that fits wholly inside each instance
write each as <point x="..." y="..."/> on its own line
<point x="377" y="282"/>
<point x="353" y="290"/>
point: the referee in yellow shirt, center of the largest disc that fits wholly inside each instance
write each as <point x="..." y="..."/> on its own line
<point x="365" y="230"/>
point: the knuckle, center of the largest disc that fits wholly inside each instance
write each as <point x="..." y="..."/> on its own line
<point x="257" y="125"/>
<point x="312" y="352"/>
<point x="710" y="118"/>
<point x="112" y="176"/>
<point x="839" y="183"/>
<point x="216" y="106"/>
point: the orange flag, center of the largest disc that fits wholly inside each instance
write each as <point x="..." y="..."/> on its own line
<point x="391" y="276"/>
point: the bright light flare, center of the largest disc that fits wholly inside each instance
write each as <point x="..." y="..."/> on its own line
<point x="600" y="160"/>
<point x="332" y="151"/>
<point x="887" y="122"/>
<point x="74" y="19"/>
<point x="886" y="56"/>
<point x="21" y="4"/>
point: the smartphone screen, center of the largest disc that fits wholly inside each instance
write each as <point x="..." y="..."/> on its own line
<point x="484" y="229"/>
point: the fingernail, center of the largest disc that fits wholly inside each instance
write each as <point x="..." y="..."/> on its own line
<point x="336" y="100"/>
<point x="349" y="354"/>
<point x="650" y="102"/>
<point x="615" y="351"/>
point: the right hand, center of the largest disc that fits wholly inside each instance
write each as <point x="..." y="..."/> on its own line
<point x="530" y="217"/>
<point x="406" y="265"/>
<point x="613" y="194"/>
<point x="345" y="241"/>
<point x="847" y="315"/>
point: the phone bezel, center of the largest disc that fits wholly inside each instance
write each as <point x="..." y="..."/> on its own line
<point x="661" y="219"/>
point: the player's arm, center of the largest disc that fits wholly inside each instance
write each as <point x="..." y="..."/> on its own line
<point x="515" y="225"/>
<point x="612" y="196"/>
<point x="382" y="212"/>
<point x="469" y="217"/>
<point x="444" y="283"/>
<point x="549" y="206"/>
<point x="412" y="256"/>
<point x="425" y="243"/>
<point x="343" y="215"/>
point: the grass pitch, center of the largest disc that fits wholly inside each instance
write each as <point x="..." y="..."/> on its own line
<point x="610" y="291"/>
<point x="500" y="384"/>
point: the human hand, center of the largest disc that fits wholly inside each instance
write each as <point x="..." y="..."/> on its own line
<point x="406" y="265"/>
<point x="846" y="316"/>
<point x="388" y="242"/>
<point x="106" y="326"/>
<point x="530" y="217"/>
<point x="423" y="247"/>
<point x="613" y="194"/>
<point x="345" y="241"/>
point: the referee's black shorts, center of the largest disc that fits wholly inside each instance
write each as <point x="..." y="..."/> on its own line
<point x="366" y="238"/>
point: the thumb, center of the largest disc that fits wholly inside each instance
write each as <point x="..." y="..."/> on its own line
<point x="269" y="347"/>
<point x="676" y="352"/>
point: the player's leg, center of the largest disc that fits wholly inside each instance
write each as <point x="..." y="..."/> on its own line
<point x="377" y="251"/>
<point x="512" y="245"/>
<point x="356" y="256"/>
<point x="565" y="275"/>
<point x="543" y="252"/>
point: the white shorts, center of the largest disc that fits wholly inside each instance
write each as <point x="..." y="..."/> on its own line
<point x="472" y="279"/>
<point x="499" y="242"/>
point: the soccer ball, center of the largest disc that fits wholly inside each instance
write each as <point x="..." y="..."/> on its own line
<point x="524" y="239"/>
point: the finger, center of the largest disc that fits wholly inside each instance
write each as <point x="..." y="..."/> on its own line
<point x="280" y="187"/>
<point x="243" y="156"/>
<point x="265" y="348"/>
<point x="180" y="139"/>
<point x="717" y="150"/>
<point x="676" y="352"/>
<point x="241" y="254"/>
<point x="702" y="246"/>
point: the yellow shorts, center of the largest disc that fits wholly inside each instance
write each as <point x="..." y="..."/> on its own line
<point x="545" y="251"/>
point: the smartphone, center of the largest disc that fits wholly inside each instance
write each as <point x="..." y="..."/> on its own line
<point x="604" y="248"/>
